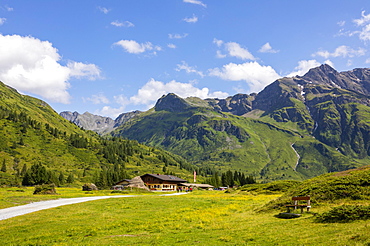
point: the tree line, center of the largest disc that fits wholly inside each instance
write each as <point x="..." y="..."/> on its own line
<point x="230" y="179"/>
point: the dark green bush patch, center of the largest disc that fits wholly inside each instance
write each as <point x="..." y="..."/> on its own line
<point x="345" y="213"/>
<point x="45" y="189"/>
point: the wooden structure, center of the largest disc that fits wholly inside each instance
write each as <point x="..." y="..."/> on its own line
<point x="121" y="184"/>
<point x="158" y="182"/>
<point x="196" y="186"/>
<point x="297" y="205"/>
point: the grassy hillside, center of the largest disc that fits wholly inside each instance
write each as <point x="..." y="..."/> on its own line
<point x="351" y="187"/>
<point x="33" y="133"/>
<point x="255" y="144"/>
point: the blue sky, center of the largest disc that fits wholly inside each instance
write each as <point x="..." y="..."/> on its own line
<point x="110" y="57"/>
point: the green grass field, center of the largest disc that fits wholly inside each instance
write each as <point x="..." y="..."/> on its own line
<point x="198" y="218"/>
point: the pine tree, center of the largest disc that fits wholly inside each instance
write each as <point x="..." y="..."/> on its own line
<point x="3" y="167"/>
<point x="61" y="178"/>
<point x="53" y="178"/>
<point x="27" y="179"/>
<point x="70" y="178"/>
<point x="24" y="170"/>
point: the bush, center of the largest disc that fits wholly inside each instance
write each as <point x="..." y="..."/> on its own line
<point x="45" y="189"/>
<point x="345" y="213"/>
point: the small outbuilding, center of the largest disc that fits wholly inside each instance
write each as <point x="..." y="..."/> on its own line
<point x="196" y="186"/>
<point x="120" y="185"/>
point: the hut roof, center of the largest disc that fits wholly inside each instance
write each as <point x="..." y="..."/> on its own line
<point x="165" y="177"/>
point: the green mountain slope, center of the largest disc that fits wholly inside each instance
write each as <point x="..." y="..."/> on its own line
<point x="296" y="128"/>
<point x="32" y="133"/>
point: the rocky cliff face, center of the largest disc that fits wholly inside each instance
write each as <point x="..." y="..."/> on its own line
<point x="97" y="123"/>
<point x="238" y="104"/>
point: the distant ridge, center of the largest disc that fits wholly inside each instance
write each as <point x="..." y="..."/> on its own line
<point x="295" y="128"/>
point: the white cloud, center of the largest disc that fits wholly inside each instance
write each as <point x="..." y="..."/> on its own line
<point x="110" y="111"/>
<point x="304" y="66"/>
<point x="188" y="69"/>
<point x="6" y="8"/>
<point x="330" y="63"/>
<point x="341" y="23"/>
<point x="364" y="20"/>
<point x="103" y="10"/>
<point x="236" y="50"/>
<point x="97" y="99"/>
<point x="193" y="19"/>
<point x="81" y="70"/>
<point x="122" y="24"/>
<point x="195" y="2"/>
<point x="233" y="49"/>
<point x="152" y="90"/>
<point x="255" y="75"/>
<point x="364" y="34"/>
<point x="177" y="36"/>
<point x="367" y="61"/>
<point x="9" y="9"/>
<point x="31" y="65"/>
<point x="134" y="47"/>
<point x="171" y="46"/>
<point x="219" y="54"/>
<point x="341" y="51"/>
<point x="2" y="21"/>
<point x="218" y="42"/>
<point x="266" y="48"/>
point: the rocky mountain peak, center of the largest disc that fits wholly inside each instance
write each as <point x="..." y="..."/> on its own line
<point x="171" y="102"/>
<point x="323" y="74"/>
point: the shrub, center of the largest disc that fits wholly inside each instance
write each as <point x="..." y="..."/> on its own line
<point x="345" y="213"/>
<point x="45" y="189"/>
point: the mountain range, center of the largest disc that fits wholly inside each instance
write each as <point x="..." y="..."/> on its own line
<point x="295" y="128"/>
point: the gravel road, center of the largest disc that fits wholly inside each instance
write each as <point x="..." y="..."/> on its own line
<point x="7" y="213"/>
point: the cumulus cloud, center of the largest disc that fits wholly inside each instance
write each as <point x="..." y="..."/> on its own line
<point x="82" y="70"/>
<point x="192" y="19"/>
<point x="195" y="2"/>
<point x="218" y="42"/>
<point x="103" y="10"/>
<point x="113" y="112"/>
<point x="303" y="67"/>
<point x="254" y="74"/>
<point x="266" y="48"/>
<point x="31" y="65"/>
<point x="110" y="111"/>
<point x="233" y="49"/>
<point x="152" y="90"/>
<point x="122" y="24"/>
<point x="171" y="46"/>
<point x="341" y="51"/>
<point x="363" y="22"/>
<point x="2" y="21"/>
<point x="188" y="69"/>
<point x="177" y="36"/>
<point x="134" y="47"/>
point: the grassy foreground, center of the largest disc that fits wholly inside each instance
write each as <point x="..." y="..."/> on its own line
<point x="199" y="218"/>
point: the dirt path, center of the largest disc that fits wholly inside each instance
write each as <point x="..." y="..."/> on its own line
<point x="7" y="213"/>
